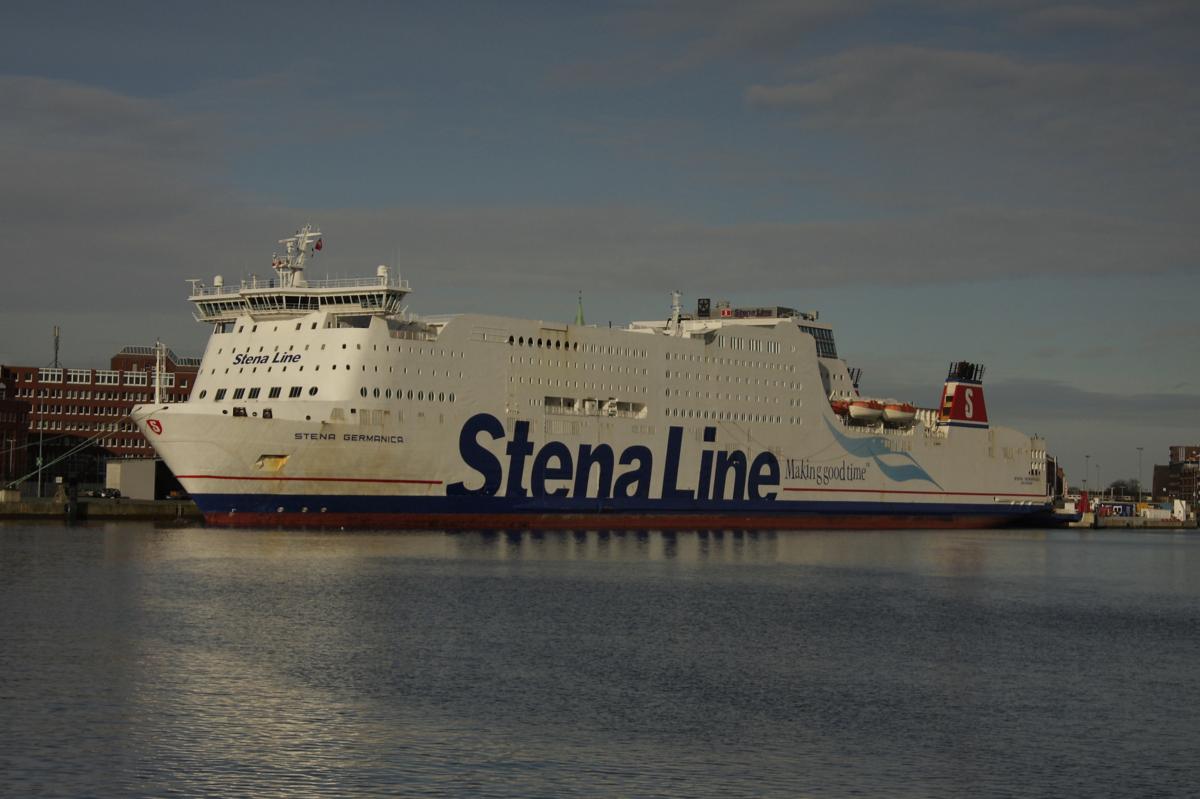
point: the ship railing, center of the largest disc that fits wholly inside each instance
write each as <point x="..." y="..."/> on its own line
<point x="259" y="284"/>
<point x="413" y="335"/>
<point x="613" y="409"/>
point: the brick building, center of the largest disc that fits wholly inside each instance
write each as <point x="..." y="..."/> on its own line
<point x="14" y="432"/>
<point x="1179" y="478"/>
<point x="78" y="418"/>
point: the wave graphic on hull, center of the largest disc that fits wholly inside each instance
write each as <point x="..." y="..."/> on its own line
<point x="876" y="448"/>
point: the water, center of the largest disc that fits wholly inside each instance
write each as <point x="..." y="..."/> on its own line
<point x="151" y="661"/>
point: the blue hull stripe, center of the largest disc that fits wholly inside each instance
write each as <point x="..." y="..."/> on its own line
<point x="359" y="504"/>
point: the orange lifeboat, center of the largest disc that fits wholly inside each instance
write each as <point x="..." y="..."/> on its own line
<point x="840" y="407"/>
<point x="900" y="414"/>
<point x="866" y="410"/>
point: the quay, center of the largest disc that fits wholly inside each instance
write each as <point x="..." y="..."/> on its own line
<point x="1093" y="522"/>
<point x="92" y="508"/>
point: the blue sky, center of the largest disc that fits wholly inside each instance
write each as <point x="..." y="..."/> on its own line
<point x="1014" y="182"/>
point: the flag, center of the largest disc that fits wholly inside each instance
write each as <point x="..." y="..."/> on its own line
<point x="320" y="243"/>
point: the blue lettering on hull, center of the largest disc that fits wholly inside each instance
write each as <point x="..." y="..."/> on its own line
<point x="557" y="472"/>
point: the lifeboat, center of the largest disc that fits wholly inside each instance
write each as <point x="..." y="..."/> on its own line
<point x="900" y="414"/>
<point x="866" y="410"/>
<point x="840" y="407"/>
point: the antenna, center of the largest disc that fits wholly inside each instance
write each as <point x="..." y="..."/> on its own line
<point x="56" y="364"/>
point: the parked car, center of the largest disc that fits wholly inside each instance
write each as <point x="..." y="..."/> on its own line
<point x="110" y="493"/>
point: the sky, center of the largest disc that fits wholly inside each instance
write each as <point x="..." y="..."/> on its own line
<point x="1013" y="182"/>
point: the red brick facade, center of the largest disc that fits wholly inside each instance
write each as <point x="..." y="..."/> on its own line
<point x="67" y="407"/>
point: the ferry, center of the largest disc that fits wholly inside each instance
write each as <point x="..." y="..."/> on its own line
<point x="326" y="403"/>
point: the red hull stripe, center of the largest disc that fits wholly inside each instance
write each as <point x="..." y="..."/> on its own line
<point x="639" y="521"/>
<point x="439" y="482"/>
<point x="929" y="493"/>
<point x="307" y="479"/>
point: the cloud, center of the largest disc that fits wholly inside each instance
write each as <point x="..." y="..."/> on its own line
<point x="1047" y="400"/>
<point x="1060" y="18"/>
<point x="898" y="83"/>
<point x="709" y="30"/>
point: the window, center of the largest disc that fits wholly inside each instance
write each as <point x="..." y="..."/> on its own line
<point x="220" y="395"/>
<point x="202" y="394"/>
<point x="312" y="392"/>
<point x="274" y="392"/>
<point x="294" y="391"/>
<point x="253" y="394"/>
<point x="238" y="393"/>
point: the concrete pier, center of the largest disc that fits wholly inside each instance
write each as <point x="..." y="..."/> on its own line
<point x="91" y="508"/>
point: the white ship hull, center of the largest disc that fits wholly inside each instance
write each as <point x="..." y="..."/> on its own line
<point x="486" y="421"/>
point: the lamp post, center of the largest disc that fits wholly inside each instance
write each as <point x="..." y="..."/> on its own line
<point x="1087" y="469"/>
<point x="1139" y="496"/>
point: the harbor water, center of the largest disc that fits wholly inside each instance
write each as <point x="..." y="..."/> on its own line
<point x="138" y="660"/>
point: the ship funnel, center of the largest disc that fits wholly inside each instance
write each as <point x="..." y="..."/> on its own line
<point x="962" y="402"/>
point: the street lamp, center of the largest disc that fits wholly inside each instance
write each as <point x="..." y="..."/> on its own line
<point x="1139" y="496"/>
<point x="1087" y="469"/>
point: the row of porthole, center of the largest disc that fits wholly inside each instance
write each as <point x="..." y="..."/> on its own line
<point x="674" y="392"/>
<point x="253" y="393"/>
<point x="521" y="341"/>
<point x="727" y="416"/>
<point x="420" y="396"/>
<point x="758" y="381"/>
<point x="573" y="346"/>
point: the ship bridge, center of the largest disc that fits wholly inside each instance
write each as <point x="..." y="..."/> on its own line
<point x="290" y="294"/>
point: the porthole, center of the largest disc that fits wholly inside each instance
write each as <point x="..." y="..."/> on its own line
<point x="420" y="395"/>
<point x="409" y="395"/>
<point x="376" y="394"/>
<point x="387" y="394"/>
<point x="203" y="394"/>
<point x="312" y="392"/>
<point x="539" y="342"/>
<point x="441" y="397"/>
<point x="362" y="392"/>
<point x="451" y="396"/>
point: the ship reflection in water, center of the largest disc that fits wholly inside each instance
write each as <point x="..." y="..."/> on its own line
<point x="150" y="661"/>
